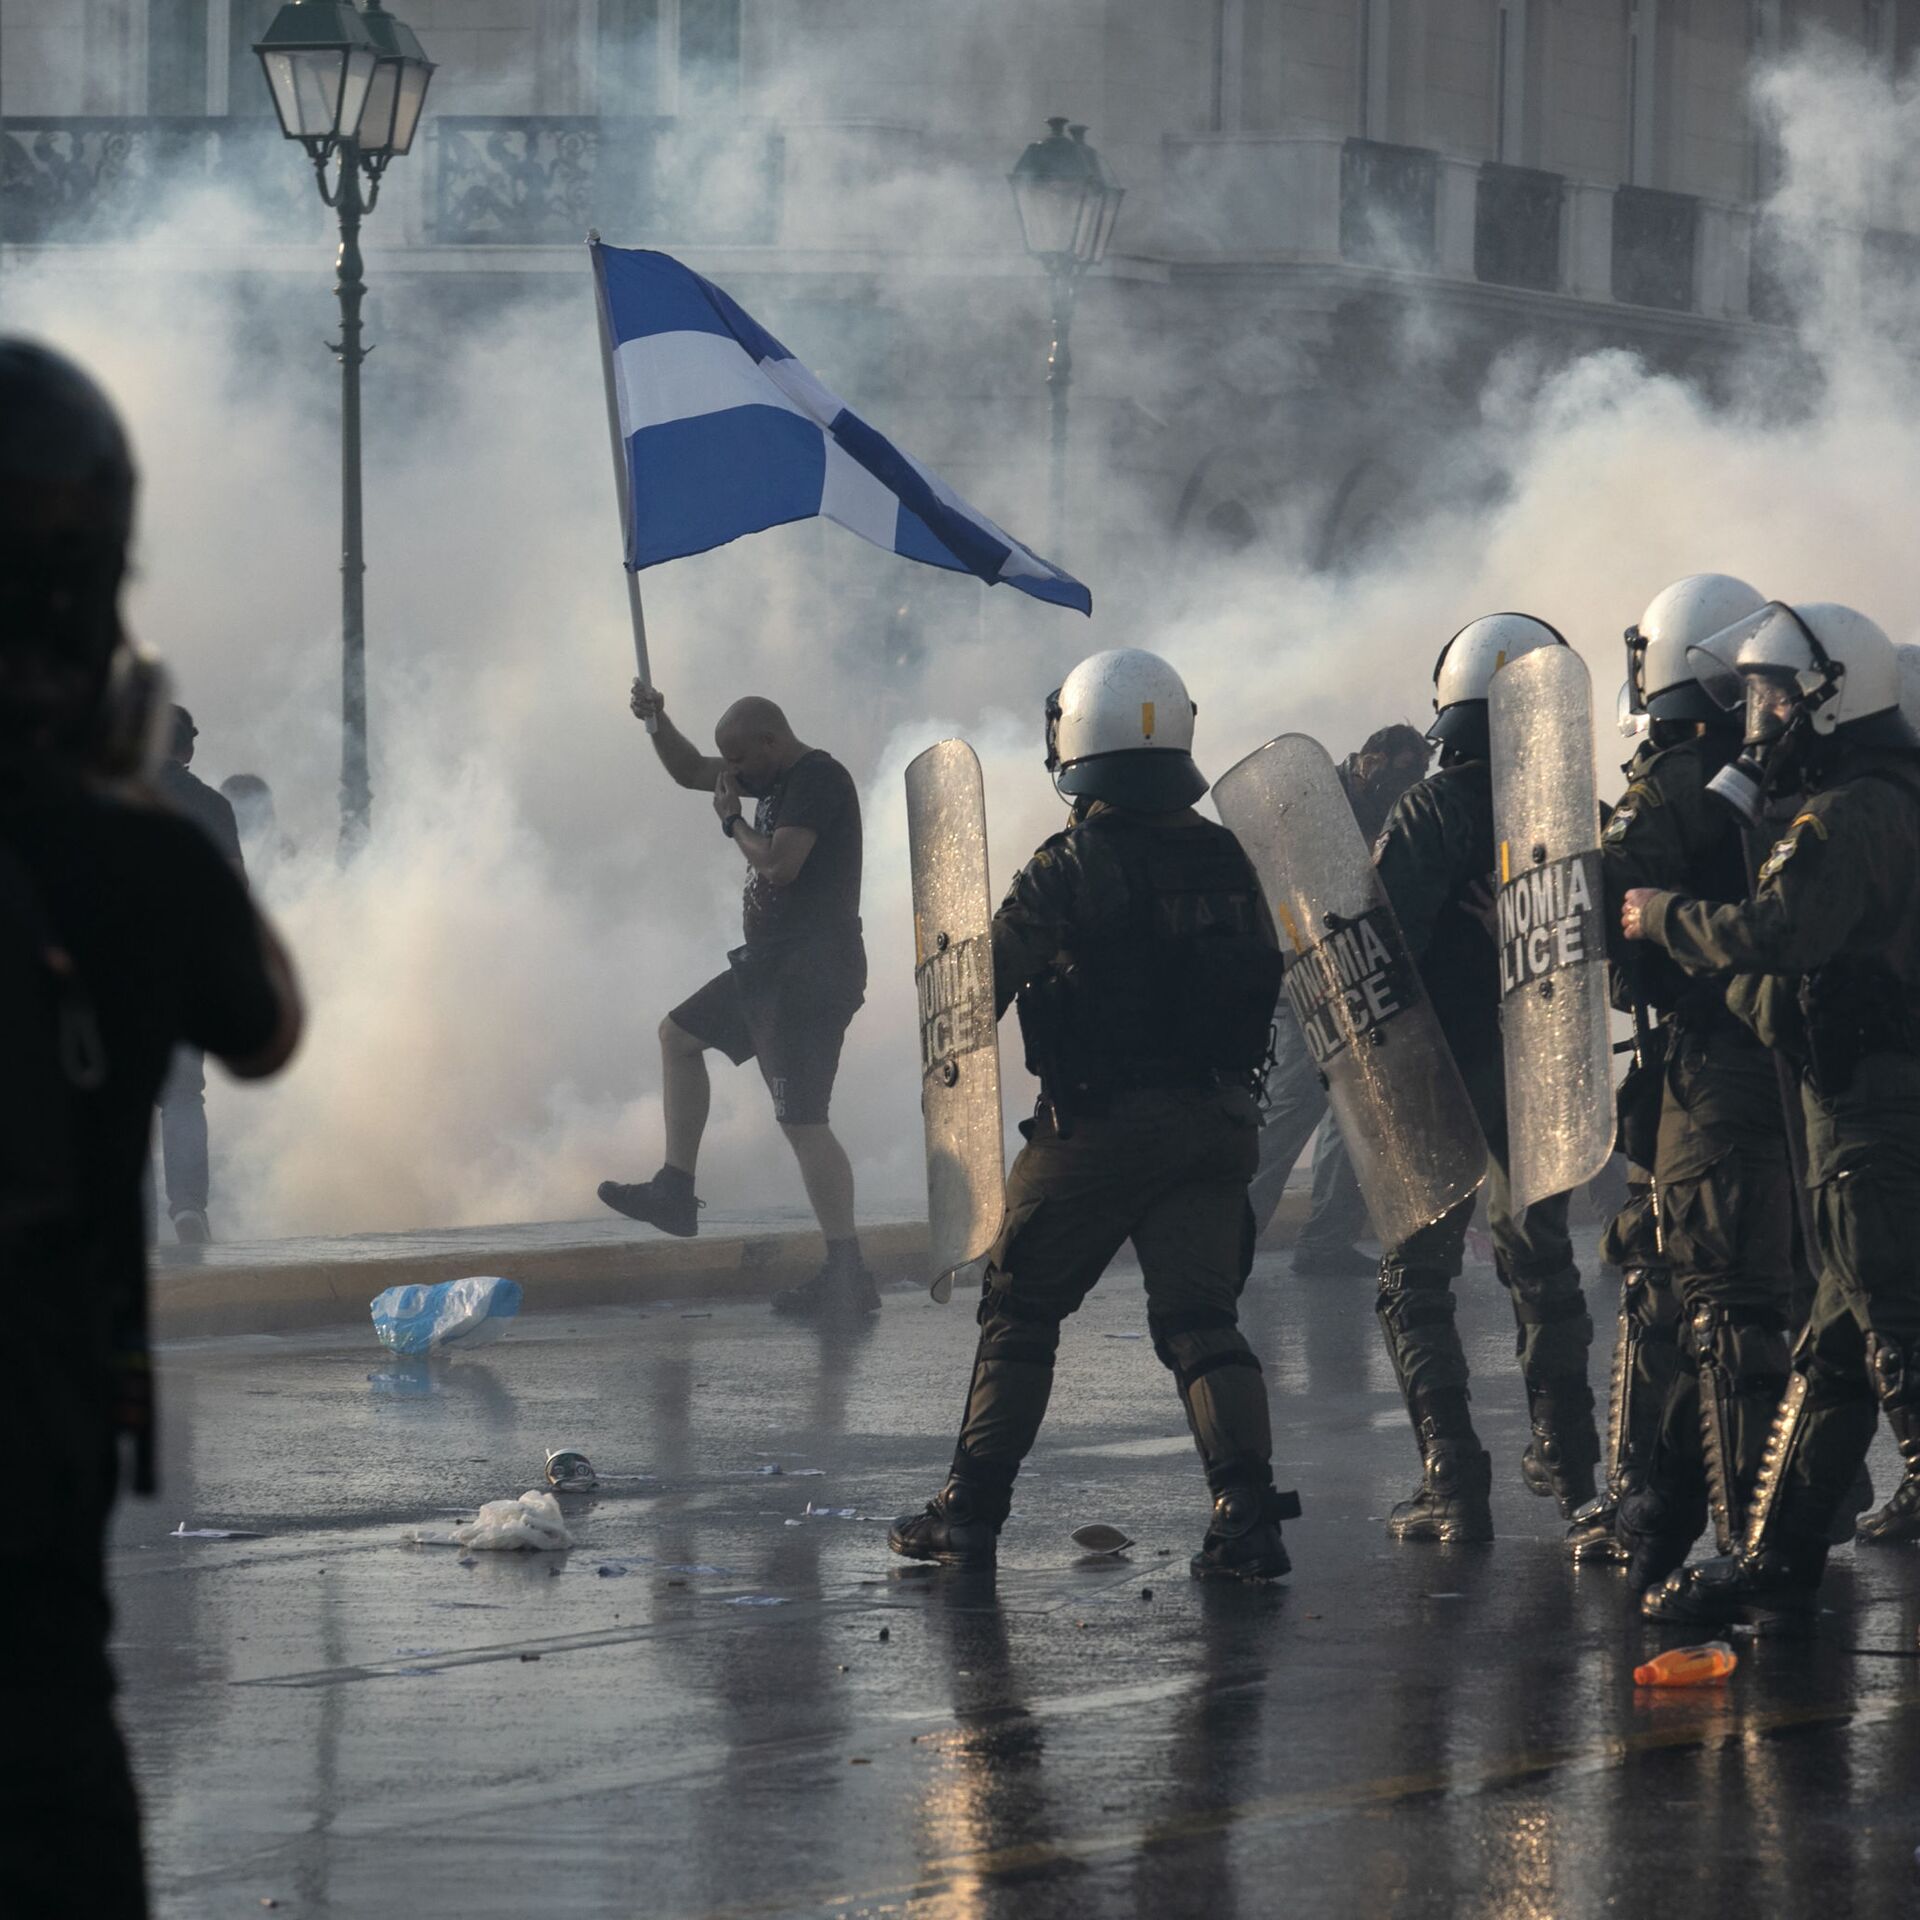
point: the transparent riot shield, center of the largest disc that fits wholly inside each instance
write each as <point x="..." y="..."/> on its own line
<point x="1417" y="1148"/>
<point x="959" y="1035"/>
<point x="1555" y="1023"/>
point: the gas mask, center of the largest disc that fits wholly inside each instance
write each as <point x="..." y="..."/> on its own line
<point x="1782" y="695"/>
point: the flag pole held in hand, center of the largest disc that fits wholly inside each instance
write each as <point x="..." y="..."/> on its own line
<point x="620" y="482"/>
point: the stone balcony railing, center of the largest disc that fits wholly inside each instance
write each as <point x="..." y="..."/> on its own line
<point x="1254" y="199"/>
<point x="496" y="181"/>
<point x="1362" y="203"/>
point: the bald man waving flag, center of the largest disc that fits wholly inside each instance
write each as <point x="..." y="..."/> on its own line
<point x="788" y="993"/>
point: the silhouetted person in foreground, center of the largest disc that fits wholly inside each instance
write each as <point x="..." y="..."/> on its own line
<point x="123" y="933"/>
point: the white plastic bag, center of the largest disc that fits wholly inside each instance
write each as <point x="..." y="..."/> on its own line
<point x="531" y="1523"/>
<point x="422" y="1319"/>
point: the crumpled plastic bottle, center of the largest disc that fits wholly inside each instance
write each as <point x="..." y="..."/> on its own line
<point x="424" y="1319"/>
<point x="1697" y="1666"/>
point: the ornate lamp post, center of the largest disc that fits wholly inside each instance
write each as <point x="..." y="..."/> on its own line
<point x="1067" y="203"/>
<point x="349" y="87"/>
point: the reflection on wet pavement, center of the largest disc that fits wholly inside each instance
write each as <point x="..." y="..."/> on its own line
<point x="756" y="1711"/>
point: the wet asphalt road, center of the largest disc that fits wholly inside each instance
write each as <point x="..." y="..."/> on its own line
<point x="341" y="1722"/>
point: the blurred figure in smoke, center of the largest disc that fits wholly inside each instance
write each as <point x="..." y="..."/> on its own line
<point x="1374" y="778"/>
<point x="123" y="932"/>
<point x="183" y="1100"/>
<point x="788" y="994"/>
<point x="252" y="802"/>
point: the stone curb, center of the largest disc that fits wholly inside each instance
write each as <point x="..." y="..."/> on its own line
<point x="192" y="1302"/>
<point x="228" y="1295"/>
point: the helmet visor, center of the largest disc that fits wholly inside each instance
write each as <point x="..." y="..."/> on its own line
<point x="1718" y="679"/>
<point x="1632" y="722"/>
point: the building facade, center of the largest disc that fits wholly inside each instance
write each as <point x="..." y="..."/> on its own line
<point x="1301" y="175"/>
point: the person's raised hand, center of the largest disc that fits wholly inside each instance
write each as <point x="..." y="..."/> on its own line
<point x="726" y="796"/>
<point x="1633" y="912"/>
<point x="647" y="703"/>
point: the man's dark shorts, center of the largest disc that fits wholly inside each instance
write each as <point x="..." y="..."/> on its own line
<point x="788" y="1018"/>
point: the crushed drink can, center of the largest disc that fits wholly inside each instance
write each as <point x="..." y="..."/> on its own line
<point x="570" y="1471"/>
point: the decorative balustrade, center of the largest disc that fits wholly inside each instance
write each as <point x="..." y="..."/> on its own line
<point x="116" y="180"/>
<point x="507" y="180"/>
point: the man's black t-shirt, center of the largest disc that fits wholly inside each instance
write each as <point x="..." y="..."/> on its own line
<point x="820" y="911"/>
<point x="209" y="809"/>
<point x="167" y="947"/>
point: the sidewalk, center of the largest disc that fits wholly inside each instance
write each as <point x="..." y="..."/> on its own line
<point x="282" y="1286"/>
<point x="279" y="1286"/>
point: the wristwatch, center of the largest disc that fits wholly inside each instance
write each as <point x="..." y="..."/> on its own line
<point x="729" y="823"/>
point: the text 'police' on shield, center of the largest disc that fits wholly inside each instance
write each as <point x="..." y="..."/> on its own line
<point x="1348" y="987"/>
<point x="1548" y="920"/>
<point x="956" y="1001"/>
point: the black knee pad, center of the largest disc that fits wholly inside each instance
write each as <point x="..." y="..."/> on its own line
<point x="1167" y="1328"/>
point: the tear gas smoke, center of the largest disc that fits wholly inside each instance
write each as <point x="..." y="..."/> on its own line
<point x="486" y="980"/>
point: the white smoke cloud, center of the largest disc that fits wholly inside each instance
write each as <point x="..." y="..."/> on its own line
<point x="486" y="981"/>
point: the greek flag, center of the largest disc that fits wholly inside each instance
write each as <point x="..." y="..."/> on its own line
<point x="725" y="433"/>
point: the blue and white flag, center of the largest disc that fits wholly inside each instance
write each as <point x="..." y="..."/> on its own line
<point x="726" y="433"/>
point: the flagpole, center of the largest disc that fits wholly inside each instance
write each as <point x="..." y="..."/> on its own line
<point x="620" y="481"/>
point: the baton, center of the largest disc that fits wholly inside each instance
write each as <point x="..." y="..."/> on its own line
<point x="620" y="485"/>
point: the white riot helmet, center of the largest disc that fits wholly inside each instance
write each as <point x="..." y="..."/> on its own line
<point x="1120" y="728"/>
<point x="1800" y="674"/>
<point x="1464" y="672"/>
<point x="1694" y="612"/>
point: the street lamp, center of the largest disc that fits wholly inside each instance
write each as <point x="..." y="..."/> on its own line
<point x="1067" y="202"/>
<point x="349" y="87"/>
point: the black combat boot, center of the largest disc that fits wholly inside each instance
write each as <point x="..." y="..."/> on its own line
<point x="1895" y="1377"/>
<point x="1654" y="1531"/>
<point x="1773" y="1591"/>
<point x="959" y="1527"/>
<point x="1243" y="1539"/>
<point x="1771" y="1581"/>
<point x="1454" y="1505"/>
<point x="1898" y="1522"/>
<point x="1644" y="1361"/>
<point x="1560" y="1458"/>
<point x="666" y="1201"/>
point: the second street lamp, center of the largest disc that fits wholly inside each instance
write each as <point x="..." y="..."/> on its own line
<point x="1067" y="202"/>
<point x="349" y="88"/>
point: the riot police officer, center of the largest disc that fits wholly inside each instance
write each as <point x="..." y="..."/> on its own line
<point x="1826" y="959"/>
<point x="1435" y="860"/>
<point x="1147" y="975"/>
<point x="1712" y="1315"/>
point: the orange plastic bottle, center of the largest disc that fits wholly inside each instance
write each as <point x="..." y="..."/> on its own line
<point x="1688" y="1666"/>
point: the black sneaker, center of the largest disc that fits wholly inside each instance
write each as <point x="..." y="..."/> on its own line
<point x="190" y="1227"/>
<point x="1333" y="1263"/>
<point x="828" y="1294"/>
<point x="1243" y="1542"/>
<point x="955" y="1529"/>
<point x="667" y="1205"/>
